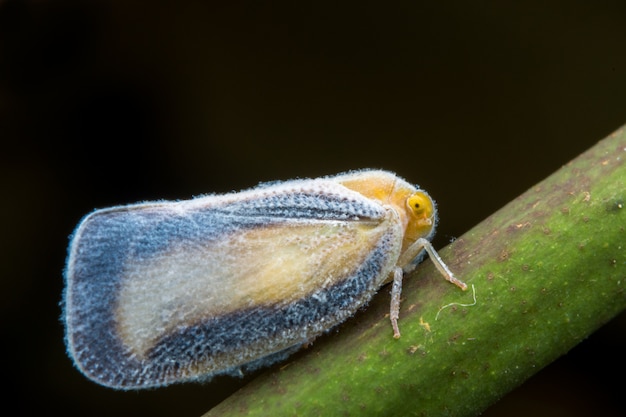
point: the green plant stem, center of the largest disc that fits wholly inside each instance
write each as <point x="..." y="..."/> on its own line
<point x="548" y="269"/>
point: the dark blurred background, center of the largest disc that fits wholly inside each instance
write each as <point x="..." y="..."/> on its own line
<point x="113" y="102"/>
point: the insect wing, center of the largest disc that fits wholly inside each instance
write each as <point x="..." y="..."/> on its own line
<point x="166" y="292"/>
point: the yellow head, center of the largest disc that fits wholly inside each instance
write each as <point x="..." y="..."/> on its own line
<point x="416" y="209"/>
<point x="422" y="217"/>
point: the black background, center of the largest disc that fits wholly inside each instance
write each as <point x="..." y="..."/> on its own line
<point x="113" y="102"/>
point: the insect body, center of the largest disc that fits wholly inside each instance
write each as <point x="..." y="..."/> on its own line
<point x="165" y="292"/>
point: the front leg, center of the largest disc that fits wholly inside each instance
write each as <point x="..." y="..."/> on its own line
<point x="423" y="244"/>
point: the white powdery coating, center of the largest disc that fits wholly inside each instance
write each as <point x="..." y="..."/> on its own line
<point x="165" y="292"/>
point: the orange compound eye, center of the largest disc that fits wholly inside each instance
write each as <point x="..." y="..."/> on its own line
<point x="420" y="205"/>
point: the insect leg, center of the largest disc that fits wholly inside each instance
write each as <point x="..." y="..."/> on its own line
<point x="396" y="291"/>
<point x="423" y="244"/>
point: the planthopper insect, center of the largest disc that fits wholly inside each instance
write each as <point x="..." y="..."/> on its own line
<point x="164" y="292"/>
